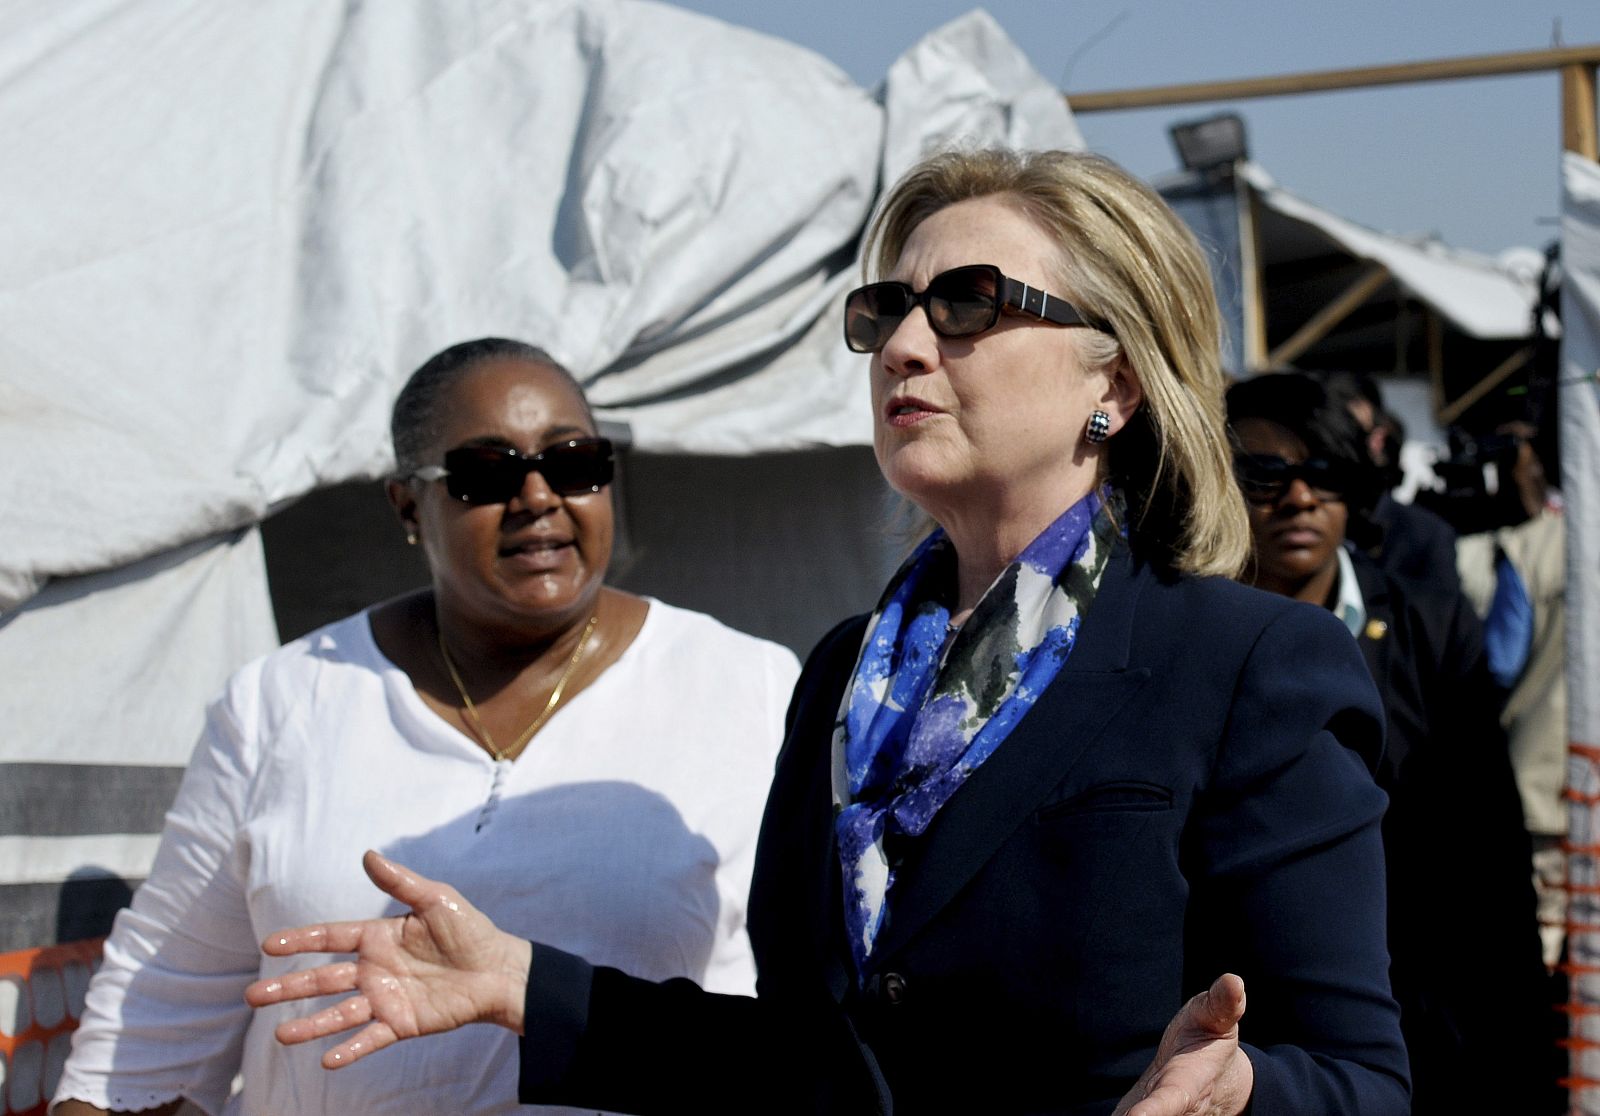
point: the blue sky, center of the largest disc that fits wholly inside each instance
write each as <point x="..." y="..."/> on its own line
<point x="1476" y="162"/>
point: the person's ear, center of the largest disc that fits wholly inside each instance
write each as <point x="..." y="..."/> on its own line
<point x="404" y="502"/>
<point x="1122" y="394"/>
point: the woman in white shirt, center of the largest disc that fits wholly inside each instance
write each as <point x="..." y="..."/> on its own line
<point x="517" y="727"/>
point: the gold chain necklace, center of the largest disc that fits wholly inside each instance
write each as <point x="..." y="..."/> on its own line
<point x="544" y="715"/>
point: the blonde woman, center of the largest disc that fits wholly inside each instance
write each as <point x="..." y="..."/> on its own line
<point x="1065" y="774"/>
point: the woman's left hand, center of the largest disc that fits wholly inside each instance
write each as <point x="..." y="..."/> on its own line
<point x="440" y="967"/>
<point x="1199" y="1069"/>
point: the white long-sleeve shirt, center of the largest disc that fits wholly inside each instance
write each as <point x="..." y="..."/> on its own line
<point x="624" y="833"/>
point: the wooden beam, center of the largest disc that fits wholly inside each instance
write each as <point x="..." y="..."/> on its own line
<point x="1323" y="321"/>
<point x="1448" y="69"/>
<point x="1402" y="334"/>
<point x="1577" y="110"/>
<point x="1435" y="358"/>
<point x="1252" y="278"/>
<point x="1477" y="391"/>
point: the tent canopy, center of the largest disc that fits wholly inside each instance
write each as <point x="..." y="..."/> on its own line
<point x="1337" y="295"/>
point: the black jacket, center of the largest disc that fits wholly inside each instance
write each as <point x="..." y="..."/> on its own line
<point x="1415" y="544"/>
<point x="1189" y="796"/>
<point x="1463" y="933"/>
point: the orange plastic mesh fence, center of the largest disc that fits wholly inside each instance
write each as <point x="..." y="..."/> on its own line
<point x="1582" y="884"/>
<point x="41" y="998"/>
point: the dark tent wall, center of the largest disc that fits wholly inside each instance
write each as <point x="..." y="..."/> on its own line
<point x="779" y="545"/>
<point x="333" y="552"/>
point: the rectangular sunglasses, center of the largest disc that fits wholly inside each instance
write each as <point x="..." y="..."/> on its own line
<point x="961" y="302"/>
<point x="1264" y="478"/>
<point x="495" y="474"/>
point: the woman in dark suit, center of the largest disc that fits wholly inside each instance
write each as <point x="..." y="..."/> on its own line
<point x="1062" y="776"/>
<point x="1461" y="901"/>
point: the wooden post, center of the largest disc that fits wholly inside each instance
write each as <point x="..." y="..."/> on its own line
<point x="1435" y="358"/>
<point x="1252" y="281"/>
<point x="1577" y="110"/>
<point x="1402" y="333"/>
<point x="1404" y="73"/>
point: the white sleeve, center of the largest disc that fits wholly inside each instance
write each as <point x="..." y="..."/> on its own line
<point x="732" y="966"/>
<point x="165" y="1015"/>
<point x="782" y="671"/>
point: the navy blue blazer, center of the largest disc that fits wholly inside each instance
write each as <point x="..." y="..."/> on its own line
<point x="1191" y="795"/>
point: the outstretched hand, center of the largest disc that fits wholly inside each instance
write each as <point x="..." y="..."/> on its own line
<point x="1199" y="1069"/>
<point x="440" y="967"/>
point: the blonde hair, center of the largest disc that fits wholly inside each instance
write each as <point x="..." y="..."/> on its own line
<point x="1125" y="259"/>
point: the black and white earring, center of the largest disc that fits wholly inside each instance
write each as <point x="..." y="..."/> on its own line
<point x="1099" y="428"/>
<point x="411" y="538"/>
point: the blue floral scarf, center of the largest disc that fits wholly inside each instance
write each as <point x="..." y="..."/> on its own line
<point x="921" y="716"/>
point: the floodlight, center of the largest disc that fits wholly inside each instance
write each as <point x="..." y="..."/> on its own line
<point x="1208" y="144"/>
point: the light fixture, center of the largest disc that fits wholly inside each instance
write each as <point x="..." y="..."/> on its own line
<point x="1212" y="143"/>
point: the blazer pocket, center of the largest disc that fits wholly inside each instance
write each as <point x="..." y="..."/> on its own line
<point x="1123" y="797"/>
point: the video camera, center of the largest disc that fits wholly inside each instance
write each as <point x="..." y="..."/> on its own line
<point x="1478" y="492"/>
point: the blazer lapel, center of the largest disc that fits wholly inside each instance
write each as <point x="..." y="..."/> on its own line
<point x="1093" y="686"/>
<point x="827" y="937"/>
<point x="1377" y="640"/>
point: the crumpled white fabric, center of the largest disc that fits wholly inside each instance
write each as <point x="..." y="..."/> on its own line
<point x="231" y="232"/>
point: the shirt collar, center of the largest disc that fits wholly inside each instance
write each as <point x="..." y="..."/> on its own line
<point x="1349" y="605"/>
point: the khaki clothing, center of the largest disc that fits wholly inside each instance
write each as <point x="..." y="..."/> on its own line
<point x="1536" y="712"/>
<point x="1535" y="716"/>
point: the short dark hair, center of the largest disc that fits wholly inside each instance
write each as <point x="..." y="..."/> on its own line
<point x="1344" y="388"/>
<point x="416" y="419"/>
<point x="1347" y="388"/>
<point x="1304" y="406"/>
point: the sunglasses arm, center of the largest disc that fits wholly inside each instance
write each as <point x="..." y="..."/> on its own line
<point x="1033" y="300"/>
<point x="430" y="473"/>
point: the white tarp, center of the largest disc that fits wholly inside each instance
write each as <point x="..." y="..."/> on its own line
<point x="229" y="231"/>
<point x="1580" y="478"/>
<point x="1480" y="296"/>
<point x="235" y="229"/>
<point x="105" y="684"/>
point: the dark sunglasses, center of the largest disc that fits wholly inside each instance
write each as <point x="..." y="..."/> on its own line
<point x="495" y="474"/>
<point x="1264" y="478"/>
<point x="961" y="302"/>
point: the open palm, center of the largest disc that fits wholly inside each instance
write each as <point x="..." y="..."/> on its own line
<point x="440" y="967"/>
